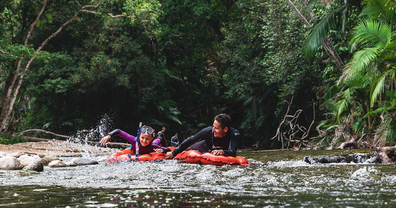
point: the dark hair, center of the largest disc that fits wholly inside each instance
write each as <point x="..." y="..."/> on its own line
<point x="224" y="120"/>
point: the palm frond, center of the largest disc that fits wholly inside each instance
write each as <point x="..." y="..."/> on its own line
<point x="377" y="88"/>
<point x="174" y="118"/>
<point x="319" y="32"/>
<point x="379" y="85"/>
<point x="342" y="106"/>
<point x="381" y="10"/>
<point x="361" y="59"/>
<point x="372" y="34"/>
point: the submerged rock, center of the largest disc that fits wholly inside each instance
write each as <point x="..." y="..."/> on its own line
<point x="353" y="158"/>
<point x="84" y="161"/>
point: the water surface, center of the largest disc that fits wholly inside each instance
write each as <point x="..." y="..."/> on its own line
<point x="274" y="179"/>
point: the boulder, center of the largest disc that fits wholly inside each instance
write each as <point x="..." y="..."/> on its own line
<point x="25" y="160"/>
<point x="10" y="163"/>
<point x="15" y="154"/>
<point x="48" y="159"/>
<point x="56" y="164"/>
<point x="35" y="165"/>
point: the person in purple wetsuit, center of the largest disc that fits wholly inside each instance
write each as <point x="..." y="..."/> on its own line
<point x="219" y="139"/>
<point x="145" y="142"/>
<point x="160" y="140"/>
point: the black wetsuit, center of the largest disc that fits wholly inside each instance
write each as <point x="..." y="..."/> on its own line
<point x="229" y="143"/>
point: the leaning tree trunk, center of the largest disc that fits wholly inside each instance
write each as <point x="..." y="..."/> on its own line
<point x="9" y="101"/>
<point x="6" y="100"/>
<point x="326" y="44"/>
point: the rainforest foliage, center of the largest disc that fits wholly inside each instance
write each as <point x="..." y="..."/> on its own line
<point x="291" y="73"/>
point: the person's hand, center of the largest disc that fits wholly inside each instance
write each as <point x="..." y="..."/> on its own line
<point x="218" y="152"/>
<point x="159" y="150"/>
<point x="105" y="140"/>
<point x="169" y="155"/>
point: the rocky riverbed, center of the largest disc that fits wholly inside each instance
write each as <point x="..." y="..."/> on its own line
<point x="33" y="156"/>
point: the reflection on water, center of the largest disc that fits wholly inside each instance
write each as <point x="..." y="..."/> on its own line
<point x="275" y="179"/>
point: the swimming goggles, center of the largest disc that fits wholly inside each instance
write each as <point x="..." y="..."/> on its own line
<point x="147" y="130"/>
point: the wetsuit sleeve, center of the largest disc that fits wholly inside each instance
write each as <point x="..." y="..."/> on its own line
<point x="157" y="141"/>
<point x="190" y="141"/>
<point x="234" y="143"/>
<point x="131" y="139"/>
<point x="114" y="133"/>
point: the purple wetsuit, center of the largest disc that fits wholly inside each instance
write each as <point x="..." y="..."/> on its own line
<point x="132" y="139"/>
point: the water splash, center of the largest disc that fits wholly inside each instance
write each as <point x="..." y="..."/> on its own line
<point x="86" y="141"/>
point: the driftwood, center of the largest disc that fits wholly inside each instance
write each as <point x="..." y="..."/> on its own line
<point x="351" y="143"/>
<point x="43" y="131"/>
<point x="292" y="135"/>
<point x="387" y="154"/>
<point x="118" y="145"/>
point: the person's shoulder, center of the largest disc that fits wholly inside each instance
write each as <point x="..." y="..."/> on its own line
<point x="209" y="128"/>
<point x="235" y="132"/>
<point x="206" y="130"/>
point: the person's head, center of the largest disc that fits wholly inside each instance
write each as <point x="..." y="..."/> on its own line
<point x="176" y="134"/>
<point x="146" y="135"/>
<point x="163" y="129"/>
<point x="221" y="125"/>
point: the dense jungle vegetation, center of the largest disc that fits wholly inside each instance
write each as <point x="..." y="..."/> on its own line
<point x="291" y="73"/>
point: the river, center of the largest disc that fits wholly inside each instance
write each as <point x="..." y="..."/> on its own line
<point x="274" y="179"/>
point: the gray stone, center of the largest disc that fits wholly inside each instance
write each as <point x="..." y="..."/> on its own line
<point x="84" y="161"/>
<point x="10" y="163"/>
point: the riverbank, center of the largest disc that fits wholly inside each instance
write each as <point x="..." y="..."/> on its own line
<point x="56" y="147"/>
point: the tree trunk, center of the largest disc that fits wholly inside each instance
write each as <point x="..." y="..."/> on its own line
<point x="8" y="105"/>
<point x="327" y="45"/>
<point x="7" y="102"/>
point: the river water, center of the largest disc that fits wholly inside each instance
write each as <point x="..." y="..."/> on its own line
<point x="274" y="179"/>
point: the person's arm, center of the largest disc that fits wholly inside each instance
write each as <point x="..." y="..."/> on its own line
<point x="234" y="144"/>
<point x="131" y="139"/>
<point x="160" y="149"/>
<point x="107" y="138"/>
<point x="193" y="139"/>
<point x="157" y="141"/>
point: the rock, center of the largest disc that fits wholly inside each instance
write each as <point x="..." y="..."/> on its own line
<point x="10" y="163"/>
<point x="2" y="154"/>
<point x="36" y="165"/>
<point x="48" y="159"/>
<point x="15" y="154"/>
<point x="25" y="160"/>
<point x="70" y="164"/>
<point x="84" y="161"/>
<point x="57" y="164"/>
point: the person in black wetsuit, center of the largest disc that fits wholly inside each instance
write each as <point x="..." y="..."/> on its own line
<point x="219" y="139"/>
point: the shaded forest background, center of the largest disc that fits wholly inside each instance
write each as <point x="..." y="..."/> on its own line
<point x="292" y="74"/>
